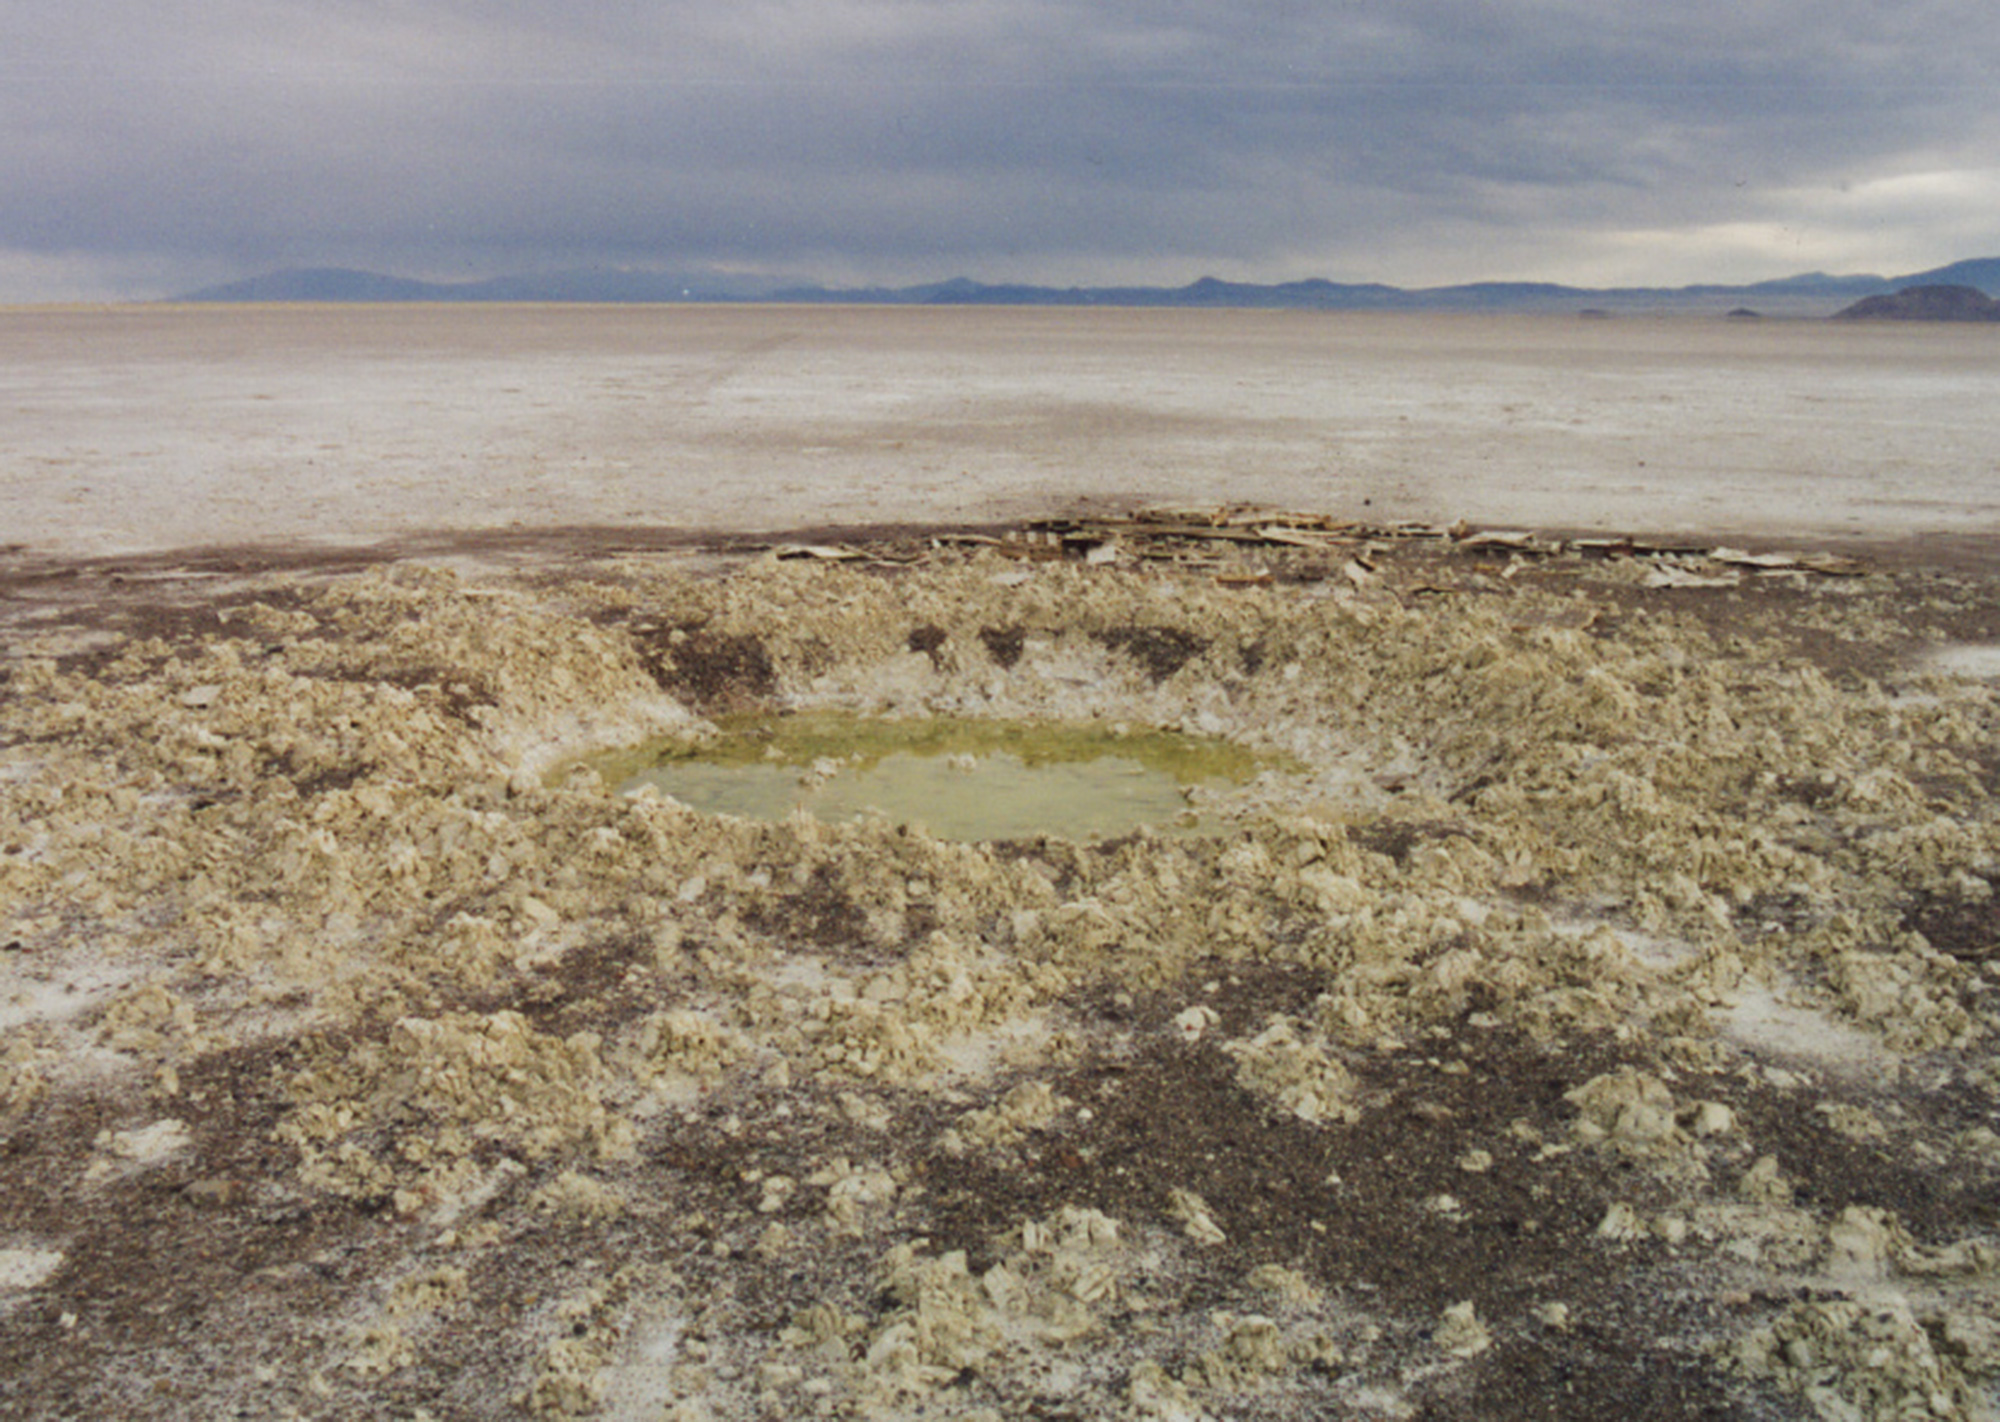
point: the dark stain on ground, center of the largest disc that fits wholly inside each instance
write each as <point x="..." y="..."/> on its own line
<point x="1396" y="838"/>
<point x="712" y="671"/>
<point x="1004" y="645"/>
<point x="598" y="986"/>
<point x="930" y="641"/>
<point x="1967" y="927"/>
<point x="819" y="911"/>
<point x="207" y="1253"/>
<point x="1162" y="651"/>
<point x="1910" y="1170"/>
<point x="1350" y="1207"/>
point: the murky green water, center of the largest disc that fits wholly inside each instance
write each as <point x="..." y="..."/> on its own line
<point x="957" y="779"/>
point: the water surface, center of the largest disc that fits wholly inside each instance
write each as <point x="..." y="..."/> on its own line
<point x="955" y="779"/>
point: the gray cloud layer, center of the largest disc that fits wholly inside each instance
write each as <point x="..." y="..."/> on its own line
<point x="176" y="141"/>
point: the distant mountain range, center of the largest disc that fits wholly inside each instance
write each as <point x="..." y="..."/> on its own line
<point x="1810" y="294"/>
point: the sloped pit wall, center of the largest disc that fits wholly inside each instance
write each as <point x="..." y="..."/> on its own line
<point x="1641" y="763"/>
<point x="319" y="897"/>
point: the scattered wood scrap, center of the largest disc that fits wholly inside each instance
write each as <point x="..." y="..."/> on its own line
<point x="1215" y="539"/>
<point x="1176" y="532"/>
<point x="824" y="552"/>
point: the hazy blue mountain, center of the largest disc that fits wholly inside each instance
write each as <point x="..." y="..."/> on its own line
<point x="590" y="284"/>
<point x="617" y="285"/>
<point x="1819" y="284"/>
<point x="1809" y="293"/>
<point x="318" y="284"/>
<point x="1980" y="273"/>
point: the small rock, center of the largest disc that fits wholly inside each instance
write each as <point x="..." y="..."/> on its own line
<point x="1711" y="1118"/>
<point x="1764" y="1183"/>
<point x="215" y="1192"/>
<point x="1462" y="1334"/>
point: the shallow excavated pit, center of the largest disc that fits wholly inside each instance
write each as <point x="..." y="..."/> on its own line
<point x="1473" y="1058"/>
<point x="952" y="777"/>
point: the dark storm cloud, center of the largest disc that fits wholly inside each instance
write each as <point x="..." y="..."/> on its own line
<point x="1066" y="139"/>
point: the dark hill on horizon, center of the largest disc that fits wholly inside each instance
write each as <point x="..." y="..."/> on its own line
<point x="1811" y="293"/>
<point x="1942" y="302"/>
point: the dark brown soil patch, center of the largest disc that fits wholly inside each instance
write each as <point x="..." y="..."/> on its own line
<point x="712" y="670"/>
<point x="1590" y="1374"/>
<point x="820" y="912"/>
<point x="1004" y="645"/>
<point x="1939" y="1202"/>
<point x="1162" y="651"/>
<point x="1966" y="928"/>
<point x="930" y="641"/>
<point x="1396" y="838"/>
<point x="165" y="1262"/>
<point x="1354" y="1207"/>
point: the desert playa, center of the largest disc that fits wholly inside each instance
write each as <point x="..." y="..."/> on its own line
<point x="1589" y="1005"/>
<point x="143" y="428"/>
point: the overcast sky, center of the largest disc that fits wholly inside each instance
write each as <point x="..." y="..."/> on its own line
<point x="150" y="146"/>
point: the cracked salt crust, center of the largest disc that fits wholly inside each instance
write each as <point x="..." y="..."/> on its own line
<point x="1772" y="1023"/>
<point x="1970" y="660"/>
<point x="27" y="1268"/>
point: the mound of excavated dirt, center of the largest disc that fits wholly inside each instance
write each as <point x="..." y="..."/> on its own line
<point x="1600" y="1022"/>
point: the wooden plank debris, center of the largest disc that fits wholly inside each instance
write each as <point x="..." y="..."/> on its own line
<point x="825" y="553"/>
<point x="1201" y="537"/>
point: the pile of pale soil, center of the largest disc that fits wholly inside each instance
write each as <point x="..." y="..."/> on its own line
<point x="1600" y="1018"/>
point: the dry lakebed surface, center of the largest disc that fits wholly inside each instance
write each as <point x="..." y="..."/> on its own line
<point x="1586" y="1007"/>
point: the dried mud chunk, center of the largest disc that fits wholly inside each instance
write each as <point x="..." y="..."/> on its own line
<point x="1857" y="1123"/>
<point x="1029" y="1106"/>
<point x="1848" y="1359"/>
<point x="1253" y="1348"/>
<point x="866" y="1039"/>
<point x="1197" y="1221"/>
<point x="1296" y="1071"/>
<point x="850" y="1189"/>
<point x="1910" y="1000"/>
<point x="1461" y="1334"/>
<point x="1289" y="1285"/>
<point x="1970" y="1340"/>
<point x="441" y="1084"/>
<point x="575" y="1196"/>
<point x="22" y="1269"/>
<point x="947" y="1319"/>
<point x="22" y="1081"/>
<point x="682" y="1040"/>
<point x="149" y="1144"/>
<point x="1629" y="1111"/>
<point x="1154" y="1392"/>
<point x="380" y="1350"/>
<point x="1765" y="1183"/>
<point x="570" y="1380"/>
<point x="428" y="1292"/>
